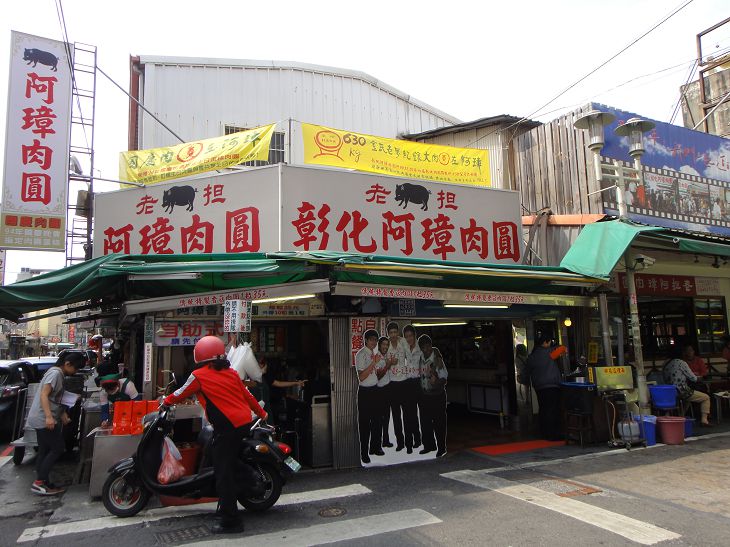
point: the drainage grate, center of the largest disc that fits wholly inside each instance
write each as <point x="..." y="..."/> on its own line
<point x="330" y="512"/>
<point x="564" y="488"/>
<point x="182" y="535"/>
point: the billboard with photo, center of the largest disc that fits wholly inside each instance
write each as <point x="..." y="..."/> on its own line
<point x="686" y="176"/>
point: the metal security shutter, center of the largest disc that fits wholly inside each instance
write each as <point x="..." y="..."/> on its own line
<point x="345" y="443"/>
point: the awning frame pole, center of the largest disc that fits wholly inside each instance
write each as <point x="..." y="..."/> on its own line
<point x="606" y="333"/>
<point x="635" y="327"/>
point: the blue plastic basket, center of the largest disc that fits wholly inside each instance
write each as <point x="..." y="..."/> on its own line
<point x="663" y="396"/>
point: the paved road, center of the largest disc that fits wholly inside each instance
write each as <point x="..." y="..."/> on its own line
<point x="662" y="495"/>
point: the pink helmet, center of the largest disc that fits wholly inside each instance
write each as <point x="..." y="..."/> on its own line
<point x="209" y="348"/>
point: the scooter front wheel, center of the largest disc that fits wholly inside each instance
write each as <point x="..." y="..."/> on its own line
<point x="122" y="495"/>
<point x="274" y="485"/>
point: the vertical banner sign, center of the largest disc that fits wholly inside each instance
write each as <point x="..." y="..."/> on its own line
<point x="147" y="362"/>
<point x="149" y="329"/>
<point x="3" y="257"/>
<point x="34" y="194"/>
<point x="237" y="316"/>
<point x="401" y="396"/>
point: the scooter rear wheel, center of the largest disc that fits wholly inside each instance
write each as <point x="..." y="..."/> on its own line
<point x="123" y="496"/>
<point x="271" y="496"/>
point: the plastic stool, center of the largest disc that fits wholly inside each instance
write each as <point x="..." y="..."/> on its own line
<point x="579" y="425"/>
<point x="666" y="410"/>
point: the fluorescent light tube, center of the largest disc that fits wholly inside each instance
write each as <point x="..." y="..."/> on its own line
<point x="445" y="324"/>
<point x="283" y="298"/>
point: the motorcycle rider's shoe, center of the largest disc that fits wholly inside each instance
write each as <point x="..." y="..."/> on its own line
<point x="227" y="528"/>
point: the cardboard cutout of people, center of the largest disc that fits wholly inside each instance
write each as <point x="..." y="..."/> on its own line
<point x="403" y="378"/>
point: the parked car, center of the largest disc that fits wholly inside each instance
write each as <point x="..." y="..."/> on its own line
<point x="14" y="378"/>
<point x="40" y="365"/>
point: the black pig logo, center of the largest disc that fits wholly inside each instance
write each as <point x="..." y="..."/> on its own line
<point x="412" y="193"/>
<point x="36" y="56"/>
<point x="178" y="195"/>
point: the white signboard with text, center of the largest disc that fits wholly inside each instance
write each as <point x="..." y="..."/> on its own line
<point x="35" y="179"/>
<point x="370" y="214"/>
<point x="312" y="210"/>
<point x="237" y="316"/>
<point x="232" y="213"/>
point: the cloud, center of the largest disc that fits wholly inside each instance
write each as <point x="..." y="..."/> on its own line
<point x="718" y="162"/>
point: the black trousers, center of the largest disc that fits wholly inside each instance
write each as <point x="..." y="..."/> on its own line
<point x="412" y="393"/>
<point x="433" y="421"/>
<point x="549" y="417"/>
<point x="51" y="446"/>
<point x="226" y="447"/>
<point x="384" y="398"/>
<point x="397" y="396"/>
<point x="368" y="419"/>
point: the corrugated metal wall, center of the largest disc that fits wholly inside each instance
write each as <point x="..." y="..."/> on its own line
<point x="486" y="138"/>
<point x="197" y="101"/>
<point x="345" y="442"/>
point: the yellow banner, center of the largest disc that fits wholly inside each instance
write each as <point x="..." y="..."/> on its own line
<point x="336" y="148"/>
<point x="191" y="158"/>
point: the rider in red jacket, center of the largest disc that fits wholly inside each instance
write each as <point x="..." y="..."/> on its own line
<point x="228" y="405"/>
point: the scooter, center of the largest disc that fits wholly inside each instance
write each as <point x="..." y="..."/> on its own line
<point x="131" y="481"/>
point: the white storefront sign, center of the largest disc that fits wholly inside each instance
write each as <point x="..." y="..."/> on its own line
<point x="308" y="209"/>
<point x="35" y="177"/>
<point x="147" y="362"/>
<point x="237" y="316"/>
<point x="231" y="213"/>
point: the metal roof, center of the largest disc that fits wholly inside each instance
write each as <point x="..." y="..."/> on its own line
<point x="476" y="124"/>
<point x="294" y="65"/>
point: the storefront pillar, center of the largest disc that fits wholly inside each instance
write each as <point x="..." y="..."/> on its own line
<point x="605" y="329"/>
<point x="344" y="385"/>
<point x="644" y="406"/>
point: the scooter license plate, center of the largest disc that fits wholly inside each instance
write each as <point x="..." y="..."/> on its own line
<point x="293" y="464"/>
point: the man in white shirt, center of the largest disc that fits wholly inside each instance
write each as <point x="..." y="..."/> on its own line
<point x="382" y="370"/>
<point x="433" y="407"/>
<point x="368" y="408"/>
<point x="413" y="391"/>
<point x="399" y="403"/>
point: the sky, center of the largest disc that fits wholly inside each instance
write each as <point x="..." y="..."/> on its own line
<point x="469" y="59"/>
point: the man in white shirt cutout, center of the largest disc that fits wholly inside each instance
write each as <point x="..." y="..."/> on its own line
<point x="368" y="408"/>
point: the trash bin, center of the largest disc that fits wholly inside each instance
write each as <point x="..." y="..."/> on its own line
<point x="321" y="431"/>
<point x="649" y="429"/>
<point x="671" y="429"/>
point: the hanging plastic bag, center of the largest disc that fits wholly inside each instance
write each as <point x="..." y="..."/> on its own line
<point x="171" y="468"/>
<point x="245" y="363"/>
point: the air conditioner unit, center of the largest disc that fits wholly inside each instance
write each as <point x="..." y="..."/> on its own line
<point x="83" y="204"/>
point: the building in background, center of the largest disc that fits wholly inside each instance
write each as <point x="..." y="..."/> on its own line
<point x="224" y="96"/>
<point x="706" y="101"/>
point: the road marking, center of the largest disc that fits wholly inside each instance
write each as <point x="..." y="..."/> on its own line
<point x="321" y="534"/>
<point x="632" y="529"/>
<point x="75" y="527"/>
<point x="4" y="460"/>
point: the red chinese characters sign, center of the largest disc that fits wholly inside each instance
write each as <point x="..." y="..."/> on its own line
<point x="34" y="194"/>
<point x="656" y="284"/>
<point x="232" y="213"/>
<point x="311" y="210"/>
<point x="350" y="212"/>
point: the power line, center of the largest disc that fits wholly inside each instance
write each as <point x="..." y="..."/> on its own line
<point x="67" y="46"/>
<point x="596" y="69"/>
<point x="691" y="74"/>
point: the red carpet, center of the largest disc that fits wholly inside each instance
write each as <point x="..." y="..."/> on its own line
<point x="510" y="448"/>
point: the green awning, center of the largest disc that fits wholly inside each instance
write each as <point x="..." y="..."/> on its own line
<point x="600" y="246"/>
<point x="107" y="279"/>
<point x="404" y="271"/>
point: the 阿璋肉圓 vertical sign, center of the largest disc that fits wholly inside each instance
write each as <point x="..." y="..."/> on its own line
<point x="232" y="213"/>
<point x="370" y="214"/>
<point x="35" y="177"/>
